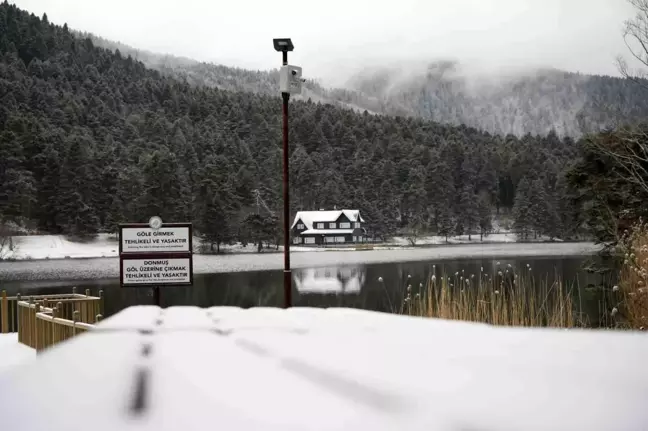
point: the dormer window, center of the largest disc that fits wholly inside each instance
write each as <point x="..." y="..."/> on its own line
<point x="320" y="225"/>
<point x="331" y="225"/>
<point x="345" y="225"/>
<point x="300" y="226"/>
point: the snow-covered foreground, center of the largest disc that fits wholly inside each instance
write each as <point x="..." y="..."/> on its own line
<point x="87" y="269"/>
<point x="38" y="247"/>
<point x="13" y="353"/>
<point x="327" y="369"/>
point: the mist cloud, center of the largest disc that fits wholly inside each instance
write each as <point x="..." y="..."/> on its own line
<point x="336" y="38"/>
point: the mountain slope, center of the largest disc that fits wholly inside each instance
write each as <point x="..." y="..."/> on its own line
<point x="220" y="76"/>
<point x="528" y="101"/>
<point x="90" y="138"/>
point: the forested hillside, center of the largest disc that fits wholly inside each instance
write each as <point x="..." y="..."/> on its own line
<point x="531" y="101"/>
<point x="90" y="138"/>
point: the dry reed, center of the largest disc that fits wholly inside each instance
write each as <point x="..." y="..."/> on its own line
<point x="504" y="298"/>
<point x="631" y="293"/>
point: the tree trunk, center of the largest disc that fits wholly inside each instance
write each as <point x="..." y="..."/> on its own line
<point x="260" y="247"/>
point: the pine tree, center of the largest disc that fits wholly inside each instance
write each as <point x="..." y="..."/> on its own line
<point x="485" y="218"/>
<point x="76" y="215"/>
<point x="49" y="192"/>
<point x="523" y="221"/>
<point x="468" y="211"/>
<point x="162" y="187"/>
<point x="214" y="224"/>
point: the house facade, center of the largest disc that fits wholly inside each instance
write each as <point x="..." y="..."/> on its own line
<point x="328" y="227"/>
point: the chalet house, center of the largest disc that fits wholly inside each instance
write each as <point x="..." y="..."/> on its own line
<point x="328" y="227"/>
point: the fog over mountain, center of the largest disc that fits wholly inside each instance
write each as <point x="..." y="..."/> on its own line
<point x="339" y="38"/>
<point x="515" y="100"/>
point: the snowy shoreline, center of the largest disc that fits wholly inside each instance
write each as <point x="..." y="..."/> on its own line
<point x="97" y="269"/>
<point x="58" y="247"/>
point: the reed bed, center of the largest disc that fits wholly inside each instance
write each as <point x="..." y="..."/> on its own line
<point x="504" y="298"/>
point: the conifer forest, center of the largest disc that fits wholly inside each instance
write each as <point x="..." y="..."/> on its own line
<point x="91" y="137"/>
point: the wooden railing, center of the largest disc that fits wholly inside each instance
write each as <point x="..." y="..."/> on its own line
<point x="44" y="320"/>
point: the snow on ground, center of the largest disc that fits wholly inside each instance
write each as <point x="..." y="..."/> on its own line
<point x="328" y="369"/>
<point x="34" y="247"/>
<point x="37" y="247"/>
<point x="13" y="353"/>
<point x="459" y="239"/>
<point x="86" y="269"/>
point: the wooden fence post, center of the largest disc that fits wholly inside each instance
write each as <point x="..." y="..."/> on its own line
<point x="18" y="314"/>
<point x="4" y="313"/>
<point x="75" y="318"/>
<point x="101" y="302"/>
<point x="32" y="323"/>
<point x="37" y="331"/>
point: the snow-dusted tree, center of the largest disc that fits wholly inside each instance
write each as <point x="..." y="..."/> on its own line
<point x="522" y="217"/>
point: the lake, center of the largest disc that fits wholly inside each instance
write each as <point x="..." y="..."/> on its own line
<point x="320" y="279"/>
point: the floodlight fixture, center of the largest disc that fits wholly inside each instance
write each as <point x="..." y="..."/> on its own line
<point x="283" y="45"/>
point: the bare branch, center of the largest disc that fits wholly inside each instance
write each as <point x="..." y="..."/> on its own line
<point x="635" y="37"/>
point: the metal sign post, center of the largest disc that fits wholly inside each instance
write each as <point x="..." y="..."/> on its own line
<point x="156" y="254"/>
<point x="290" y="82"/>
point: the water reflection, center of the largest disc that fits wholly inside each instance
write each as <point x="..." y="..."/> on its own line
<point x="330" y="280"/>
<point x="379" y="287"/>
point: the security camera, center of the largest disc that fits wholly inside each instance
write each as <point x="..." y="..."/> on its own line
<point x="290" y="79"/>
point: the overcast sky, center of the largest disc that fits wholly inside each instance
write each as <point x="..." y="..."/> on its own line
<point x="343" y="35"/>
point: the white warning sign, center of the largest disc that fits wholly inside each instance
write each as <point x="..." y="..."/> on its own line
<point x="147" y="240"/>
<point x="156" y="271"/>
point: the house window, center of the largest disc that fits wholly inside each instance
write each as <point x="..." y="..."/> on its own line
<point x="356" y="225"/>
<point x="329" y="239"/>
<point x="331" y="225"/>
<point x="300" y="226"/>
<point x="320" y="225"/>
<point x="345" y="225"/>
<point x="296" y="240"/>
<point x="340" y="239"/>
<point x="309" y="240"/>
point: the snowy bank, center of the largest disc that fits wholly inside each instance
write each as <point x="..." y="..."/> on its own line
<point x="328" y="369"/>
<point x="36" y="247"/>
<point x="94" y="269"/>
<point x="43" y="247"/>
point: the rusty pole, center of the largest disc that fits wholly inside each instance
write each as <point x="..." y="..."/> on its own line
<point x="286" y="198"/>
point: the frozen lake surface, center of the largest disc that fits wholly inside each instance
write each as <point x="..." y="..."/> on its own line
<point x="102" y="268"/>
